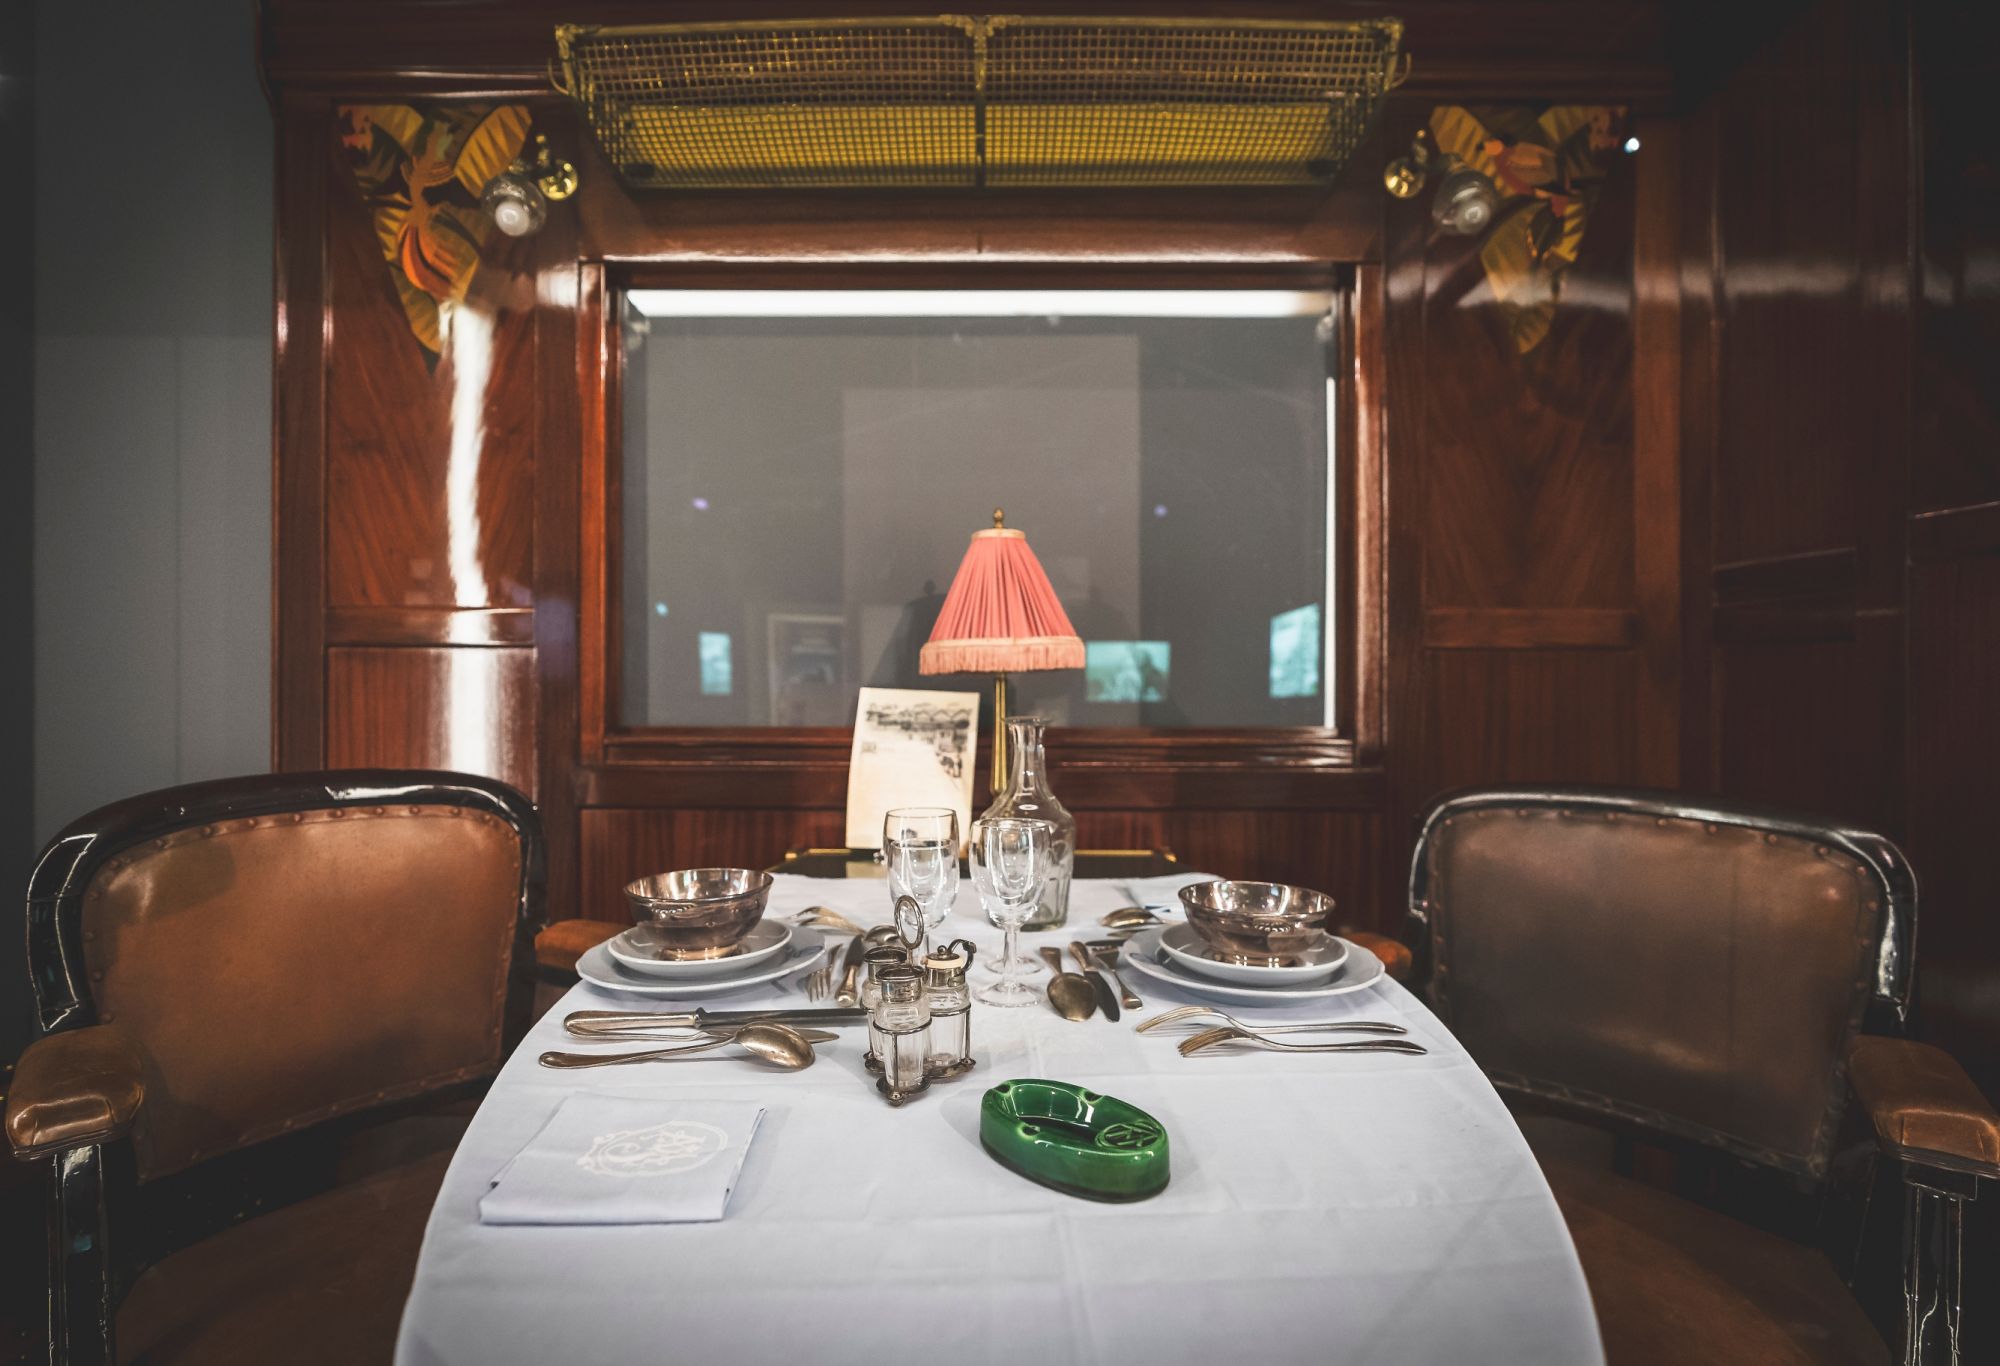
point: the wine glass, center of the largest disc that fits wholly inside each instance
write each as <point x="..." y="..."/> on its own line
<point x="1011" y="858"/>
<point x="920" y="845"/>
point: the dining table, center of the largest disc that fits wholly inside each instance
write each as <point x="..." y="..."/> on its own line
<point x="1324" y="1207"/>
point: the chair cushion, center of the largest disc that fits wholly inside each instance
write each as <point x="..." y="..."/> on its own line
<point x="320" y="1281"/>
<point x="1676" y="1283"/>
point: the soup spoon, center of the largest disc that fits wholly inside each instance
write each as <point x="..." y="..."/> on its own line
<point x="774" y="1045"/>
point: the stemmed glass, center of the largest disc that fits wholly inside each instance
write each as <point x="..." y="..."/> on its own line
<point x="920" y="845"/>
<point x="1011" y="858"/>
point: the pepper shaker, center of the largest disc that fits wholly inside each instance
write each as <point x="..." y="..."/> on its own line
<point x="902" y="1027"/>
<point x="950" y="1002"/>
<point x="875" y="960"/>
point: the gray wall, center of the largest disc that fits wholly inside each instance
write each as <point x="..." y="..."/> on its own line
<point x="152" y="402"/>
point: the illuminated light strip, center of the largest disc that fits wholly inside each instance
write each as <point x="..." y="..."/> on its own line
<point x="980" y="303"/>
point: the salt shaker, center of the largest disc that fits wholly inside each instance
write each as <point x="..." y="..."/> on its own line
<point x="885" y="956"/>
<point x="902" y="1028"/>
<point x="950" y="1002"/>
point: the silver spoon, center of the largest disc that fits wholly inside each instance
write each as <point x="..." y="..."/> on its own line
<point x="1208" y="1038"/>
<point x="775" y="1045"/>
<point x="1069" y="992"/>
<point x="1129" y="918"/>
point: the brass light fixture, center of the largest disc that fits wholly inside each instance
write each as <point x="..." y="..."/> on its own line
<point x="998" y="100"/>
<point x="1466" y="199"/>
<point x="518" y="198"/>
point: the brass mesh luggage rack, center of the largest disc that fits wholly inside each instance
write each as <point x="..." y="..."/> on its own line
<point x="968" y="101"/>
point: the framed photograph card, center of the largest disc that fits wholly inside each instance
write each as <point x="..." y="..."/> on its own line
<point x="912" y="747"/>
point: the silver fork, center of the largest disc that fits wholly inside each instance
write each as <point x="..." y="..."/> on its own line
<point x="819" y="982"/>
<point x="825" y="918"/>
<point x="1209" y="1038"/>
<point x="1180" y="1013"/>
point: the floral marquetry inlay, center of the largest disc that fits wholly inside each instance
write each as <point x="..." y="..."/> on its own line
<point x="1549" y="168"/>
<point x="422" y="171"/>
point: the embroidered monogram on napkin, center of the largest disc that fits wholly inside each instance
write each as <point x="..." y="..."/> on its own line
<point x="626" y="1160"/>
<point x="662" y="1150"/>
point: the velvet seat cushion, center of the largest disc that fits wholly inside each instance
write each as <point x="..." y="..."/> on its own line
<point x="1675" y="1283"/>
<point x="322" y="1281"/>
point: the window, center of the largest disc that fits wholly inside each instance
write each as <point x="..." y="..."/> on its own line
<point x="801" y="470"/>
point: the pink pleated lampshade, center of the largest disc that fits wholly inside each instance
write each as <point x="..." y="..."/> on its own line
<point x="1000" y="615"/>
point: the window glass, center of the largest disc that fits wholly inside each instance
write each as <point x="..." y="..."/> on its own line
<point x="802" y="470"/>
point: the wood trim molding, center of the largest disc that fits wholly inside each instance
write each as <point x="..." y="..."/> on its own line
<point x="819" y="782"/>
<point x="1955" y="533"/>
<point x="1531" y="628"/>
<point x="430" y="626"/>
<point x="1814" y="573"/>
<point x="1787" y="600"/>
<point x="302" y="332"/>
<point x="1656" y="450"/>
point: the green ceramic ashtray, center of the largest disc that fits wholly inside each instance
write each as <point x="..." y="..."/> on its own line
<point x="1074" y="1140"/>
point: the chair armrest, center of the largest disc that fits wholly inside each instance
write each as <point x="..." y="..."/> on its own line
<point x="1924" y="1107"/>
<point x="561" y="944"/>
<point x="74" y="1089"/>
<point x="1395" y="955"/>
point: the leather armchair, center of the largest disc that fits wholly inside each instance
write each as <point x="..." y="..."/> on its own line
<point x="1699" y="974"/>
<point x="258" y="998"/>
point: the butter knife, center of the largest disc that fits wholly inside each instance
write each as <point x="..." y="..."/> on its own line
<point x="849" y="995"/>
<point x="588" y="1020"/>
<point x="1107" y="999"/>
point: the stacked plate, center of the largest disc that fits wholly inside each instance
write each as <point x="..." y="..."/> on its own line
<point x="1176" y="955"/>
<point x="629" y="962"/>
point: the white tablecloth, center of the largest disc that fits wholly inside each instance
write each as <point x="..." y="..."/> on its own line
<point x="1324" y="1208"/>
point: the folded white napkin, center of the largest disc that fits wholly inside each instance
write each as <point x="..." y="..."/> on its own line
<point x="1163" y="893"/>
<point x="626" y="1160"/>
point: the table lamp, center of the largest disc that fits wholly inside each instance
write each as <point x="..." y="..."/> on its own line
<point x="1000" y="616"/>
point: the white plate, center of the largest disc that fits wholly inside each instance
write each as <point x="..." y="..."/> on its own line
<point x="1316" y="968"/>
<point x="1143" y="953"/>
<point x="599" y="968"/>
<point x="766" y="938"/>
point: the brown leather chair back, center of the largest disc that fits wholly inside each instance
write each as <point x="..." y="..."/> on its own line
<point x="1694" y="968"/>
<point x="290" y="948"/>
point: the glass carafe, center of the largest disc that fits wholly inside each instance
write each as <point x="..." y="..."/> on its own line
<point x="1027" y="795"/>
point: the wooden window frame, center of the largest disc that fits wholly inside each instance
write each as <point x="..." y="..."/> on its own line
<point x="1102" y="766"/>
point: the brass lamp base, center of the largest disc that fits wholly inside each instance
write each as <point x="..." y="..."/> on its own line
<point x="998" y="777"/>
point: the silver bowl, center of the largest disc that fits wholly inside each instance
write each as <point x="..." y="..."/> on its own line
<point x="698" y="913"/>
<point x="1257" y="924"/>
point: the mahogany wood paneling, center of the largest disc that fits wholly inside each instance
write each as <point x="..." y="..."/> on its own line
<point x="1530" y="628"/>
<point x="1784" y="472"/>
<point x="1530" y="716"/>
<point x="1527" y="459"/>
<point x="1534" y="629"/>
<point x="1802" y="415"/>
<point x="429" y="471"/>
<point x="460" y="708"/>
<point x="1950" y="533"/>
<point x="1956" y="460"/>
<point x="1954" y="799"/>
<point x="430" y="626"/>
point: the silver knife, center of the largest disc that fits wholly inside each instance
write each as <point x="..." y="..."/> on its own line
<point x="849" y="995"/>
<point x="830" y="1018"/>
<point x="1107" y="999"/>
